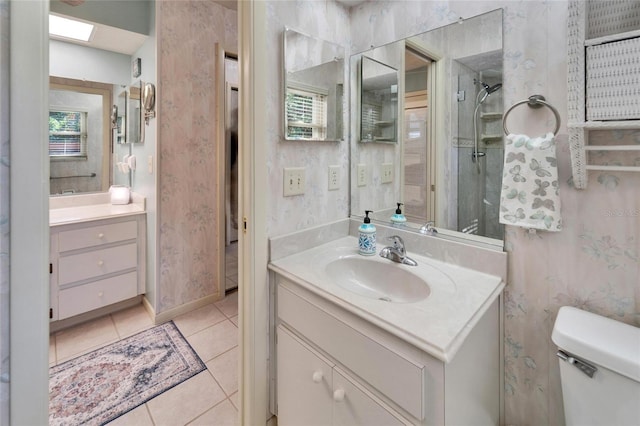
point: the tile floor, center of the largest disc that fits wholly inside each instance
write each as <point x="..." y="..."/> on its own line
<point x="209" y="398"/>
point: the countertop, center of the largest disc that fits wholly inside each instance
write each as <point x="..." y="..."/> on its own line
<point x="437" y="325"/>
<point x="66" y="215"/>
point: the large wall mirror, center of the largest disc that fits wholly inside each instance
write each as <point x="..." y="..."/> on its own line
<point x="313" y="88"/>
<point x="447" y="165"/>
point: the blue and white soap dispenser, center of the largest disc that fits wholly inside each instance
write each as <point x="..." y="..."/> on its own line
<point x="398" y="219"/>
<point x="367" y="236"/>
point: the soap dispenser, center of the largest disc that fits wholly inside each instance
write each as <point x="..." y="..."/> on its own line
<point x="398" y="219"/>
<point x="367" y="236"/>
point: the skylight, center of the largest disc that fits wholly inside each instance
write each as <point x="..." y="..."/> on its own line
<point x="68" y="28"/>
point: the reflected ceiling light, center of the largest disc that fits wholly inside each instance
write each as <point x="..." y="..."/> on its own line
<point x="68" y="28"/>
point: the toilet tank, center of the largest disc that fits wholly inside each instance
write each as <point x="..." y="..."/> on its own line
<point x="612" y="395"/>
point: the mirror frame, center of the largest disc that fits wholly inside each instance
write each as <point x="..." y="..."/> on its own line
<point x="94" y="88"/>
<point x="340" y="101"/>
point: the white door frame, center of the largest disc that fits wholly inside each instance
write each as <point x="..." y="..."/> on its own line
<point x="29" y="193"/>
<point x="253" y="255"/>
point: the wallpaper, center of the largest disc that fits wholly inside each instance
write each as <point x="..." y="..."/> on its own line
<point x="188" y="239"/>
<point x="592" y="263"/>
<point x="4" y="212"/>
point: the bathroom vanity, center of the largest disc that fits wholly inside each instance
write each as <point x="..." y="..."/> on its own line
<point x="97" y="255"/>
<point x="350" y="352"/>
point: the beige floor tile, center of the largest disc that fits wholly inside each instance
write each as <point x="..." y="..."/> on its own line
<point x="131" y="321"/>
<point x="234" y="320"/>
<point x="81" y="338"/>
<point x="229" y="305"/>
<point x="224" y="369"/>
<point x="223" y="414"/>
<point x="198" y="320"/>
<point x="185" y="402"/>
<point x="235" y="400"/>
<point x="214" y="340"/>
<point x="139" y="416"/>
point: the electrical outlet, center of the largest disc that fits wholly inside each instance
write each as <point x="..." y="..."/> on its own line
<point x="361" y="173"/>
<point x="150" y="164"/>
<point x="334" y="178"/>
<point x="294" y="181"/>
<point x="387" y="173"/>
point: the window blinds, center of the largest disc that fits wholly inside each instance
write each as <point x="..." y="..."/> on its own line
<point x="67" y="133"/>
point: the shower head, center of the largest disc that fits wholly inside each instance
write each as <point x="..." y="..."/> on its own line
<point x="491" y="89"/>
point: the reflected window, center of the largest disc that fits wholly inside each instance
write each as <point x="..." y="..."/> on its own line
<point x="67" y="133"/>
<point x="306" y="114"/>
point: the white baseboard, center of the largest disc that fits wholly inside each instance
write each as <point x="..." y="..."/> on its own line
<point x="162" y="317"/>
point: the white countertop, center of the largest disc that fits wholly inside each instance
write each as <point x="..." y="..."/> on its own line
<point x="66" y="215"/>
<point x="437" y="325"/>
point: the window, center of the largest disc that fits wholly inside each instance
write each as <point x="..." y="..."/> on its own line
<point x="306" y="114"/>
<point x="67" y="133"/>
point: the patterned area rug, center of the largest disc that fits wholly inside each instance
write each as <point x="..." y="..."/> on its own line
<point x="102" y="385"/>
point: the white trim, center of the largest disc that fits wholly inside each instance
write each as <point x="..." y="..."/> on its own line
<point x="220" y="88"/>
<point x="172" y="313"/>
<point x="252" y="250"/>
<point x="29" y="192"/>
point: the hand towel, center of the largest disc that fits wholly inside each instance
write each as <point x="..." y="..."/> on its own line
<point x="529" y="196"/>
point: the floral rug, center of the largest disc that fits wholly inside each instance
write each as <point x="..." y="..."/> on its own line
<point x="100" y="386"/>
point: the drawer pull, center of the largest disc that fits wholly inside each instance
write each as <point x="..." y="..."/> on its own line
<point x="338" y="395"/>
<point x="100" y="294"/>
<point x="317" y="377"/>
<point x="100" y="262"/>
<point x="101" y="235"/>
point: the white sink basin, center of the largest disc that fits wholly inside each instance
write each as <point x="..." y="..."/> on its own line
<point x="387" y="281"/>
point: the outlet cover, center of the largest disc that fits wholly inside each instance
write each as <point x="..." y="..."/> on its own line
<point x="334" y="178"/>
<point x="294" y="181"/>
<point x="387" y="173"/>
<point x="361" y="174"/>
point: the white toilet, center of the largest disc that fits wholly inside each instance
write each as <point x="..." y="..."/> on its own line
<point x="608" y="350"/>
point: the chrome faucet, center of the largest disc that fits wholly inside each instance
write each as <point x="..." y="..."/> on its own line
<point x="397" y="252"/>
<point x="428" y="228"/>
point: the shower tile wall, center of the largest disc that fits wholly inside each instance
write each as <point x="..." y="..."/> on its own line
<point x="4" y="212"/>
<point x="188" y="241"/>
<point x="592" y="263"/>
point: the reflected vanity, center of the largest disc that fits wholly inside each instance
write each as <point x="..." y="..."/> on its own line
<point x="446" y="166"/>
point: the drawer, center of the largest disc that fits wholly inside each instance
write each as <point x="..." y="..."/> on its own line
<point x="97" y="235"/>
<point x="400" y="379"/>
<point x="95" y="263"/>
<point x="84" y="298"/>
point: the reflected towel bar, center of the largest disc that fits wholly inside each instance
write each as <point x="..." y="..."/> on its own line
<point x="73" y="176"/>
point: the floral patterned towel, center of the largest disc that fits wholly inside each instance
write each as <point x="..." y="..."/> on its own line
<point x="529" y="195"/>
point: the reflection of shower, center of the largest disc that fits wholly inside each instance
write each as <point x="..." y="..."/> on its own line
<point x="484" y="92"/>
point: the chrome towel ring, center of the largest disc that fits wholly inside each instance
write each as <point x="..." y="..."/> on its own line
<point x="534" y="101"/>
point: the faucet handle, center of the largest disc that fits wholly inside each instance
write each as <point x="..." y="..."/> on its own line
<point x="398" y="243"/>
<point x="428" y="228"/>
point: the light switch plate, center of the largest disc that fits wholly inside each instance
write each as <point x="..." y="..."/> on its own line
<point x="386" y="173"/>
<point x="334" y="178"/>
<point x="361" y="174"/>
<point x="294" y="181"/>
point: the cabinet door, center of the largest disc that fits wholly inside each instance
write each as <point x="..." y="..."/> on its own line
<point x="304" y="383"/>
<point x="355" y="406"/>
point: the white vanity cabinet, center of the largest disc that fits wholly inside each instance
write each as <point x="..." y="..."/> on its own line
<point x="96" y="263"/>
<point x="336" y="368"/>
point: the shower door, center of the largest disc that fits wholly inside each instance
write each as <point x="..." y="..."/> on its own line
<point x="479" y="181"/>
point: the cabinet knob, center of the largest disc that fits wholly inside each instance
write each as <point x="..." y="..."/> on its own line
<point x="101" y="235"/>
<point x="100" y="294"/>
<point x="338" y="395"/>
<point x="100" y="262"/>
<point x="317" y="377"/>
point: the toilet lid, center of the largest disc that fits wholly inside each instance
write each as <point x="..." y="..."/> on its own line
<point x="603" y="341"/>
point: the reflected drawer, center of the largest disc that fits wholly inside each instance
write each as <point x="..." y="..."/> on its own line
<point x="83" y="298"/>
<point x="398" y="378"/>
<point x="95" y="263"/>
<point x="96" y="235"/>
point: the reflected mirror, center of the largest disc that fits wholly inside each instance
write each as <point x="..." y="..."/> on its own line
<point x="313" y="88"/>
<point x="378" y="101"/>
<point x="447" y="165"/>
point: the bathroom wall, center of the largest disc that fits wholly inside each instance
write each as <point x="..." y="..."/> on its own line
<point x="592" y="263"/>
<point x="329" y="21"/>
<point x="4" y="212"/>
<point x="188" y="240"/>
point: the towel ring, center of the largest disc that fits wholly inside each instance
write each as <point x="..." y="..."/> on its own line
<point x="534" y="101"/>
